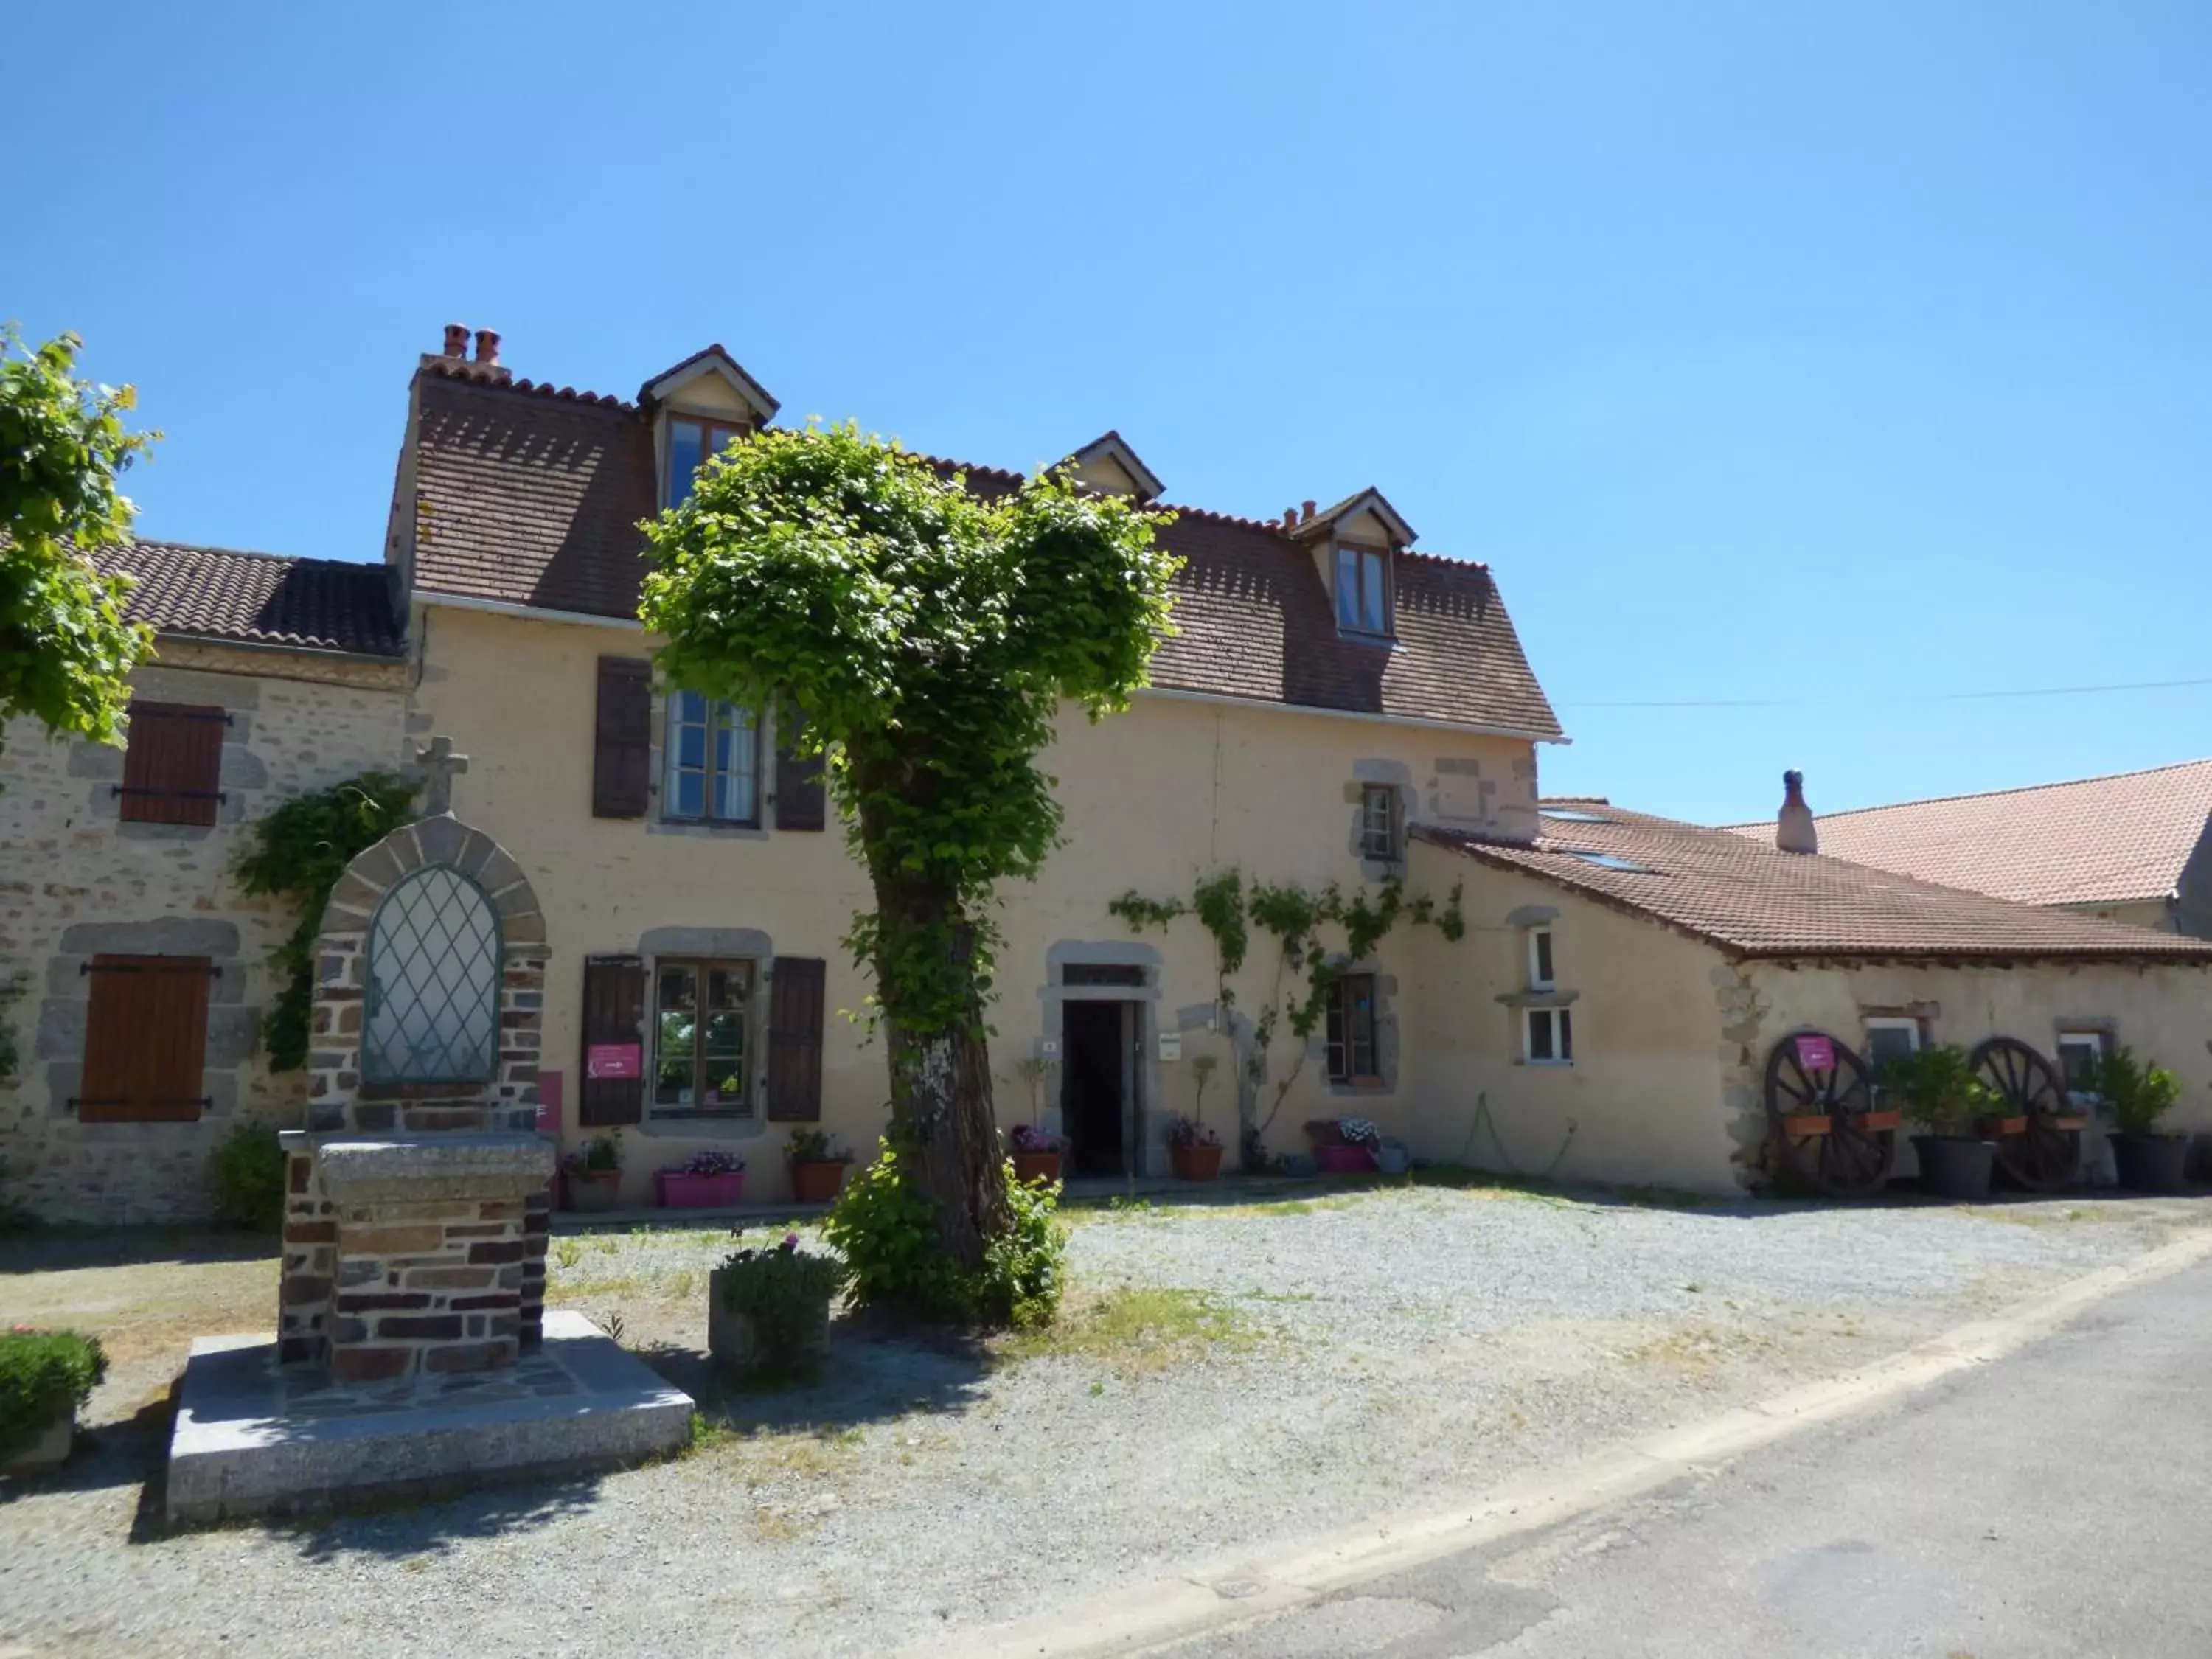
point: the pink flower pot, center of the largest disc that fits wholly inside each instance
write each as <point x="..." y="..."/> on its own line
<point x="1344" y="1160"/>
<point x="695" y="1192"/>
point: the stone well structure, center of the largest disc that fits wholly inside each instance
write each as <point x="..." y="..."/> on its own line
<point x="419" y="1192"/>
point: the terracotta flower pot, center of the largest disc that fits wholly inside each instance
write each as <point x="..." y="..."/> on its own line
<point x="1034" y="1169"/>
<point x="1195" y="1163"/>
<point x="592" y="1189"/>
<point x="816" y="1181"/>
<point x="1998" y="1128"/>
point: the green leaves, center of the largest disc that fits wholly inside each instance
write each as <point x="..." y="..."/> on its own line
<point x="65" y="651"/>
<point x="930" y="636"/>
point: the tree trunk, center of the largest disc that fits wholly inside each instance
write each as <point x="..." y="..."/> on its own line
<point x="941" y="1109"/>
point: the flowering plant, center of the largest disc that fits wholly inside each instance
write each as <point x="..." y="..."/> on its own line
<point x="786" y="1292"/>
<point x="600" y="1155"/>
<point x="707" y="1161"/>
<point x="1189" y="1132"/>
<point x="1028" y="1138"/>
<point x="814" y="1146"/>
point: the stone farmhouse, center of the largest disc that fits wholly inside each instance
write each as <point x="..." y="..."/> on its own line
<point x="2135" y="846"/>
<point x="667" y="889"/>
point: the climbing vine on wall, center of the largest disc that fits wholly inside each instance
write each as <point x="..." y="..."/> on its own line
<point x="1306" y="969"/>
<point x="298" y="851"/>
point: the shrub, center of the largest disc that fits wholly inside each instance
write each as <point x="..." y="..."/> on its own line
<point x="247" y="1172"/>
<point x="1941" y="1090"/>
<point x="814" y="1146"/>
<point x="43" y="1373"/>
<point x="786" y="1293"/>
<point x="886" y="1229"/>
<point x="597" y="1156"/>
<point x="2138" y="1093"/>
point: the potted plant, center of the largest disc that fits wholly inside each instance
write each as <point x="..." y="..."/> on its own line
<point x="592" y="1173"/>
<point x="767" y="1310"/>
<point x="707" y="1180"/>
<point x="817" y="1165"/>
<point x="1344" y="1145"/>
<point x="1193" y="1150"/>
<point x="2137" y="1094"/>
<point x="1036" y="1154"/>
<point x="1943" y="1095"/>
<point x="45" y="1376"/>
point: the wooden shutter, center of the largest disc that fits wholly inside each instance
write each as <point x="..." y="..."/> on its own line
<point x="621" y="753"/>
<point x="614" y="1018"/>
<point x="799" y="797"/>
<point x="794" y="1039"/>
<point x="172" y="763"/>
<point x="145" y="1040"/>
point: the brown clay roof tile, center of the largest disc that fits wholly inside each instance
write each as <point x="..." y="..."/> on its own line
<point x="217" y="593"/>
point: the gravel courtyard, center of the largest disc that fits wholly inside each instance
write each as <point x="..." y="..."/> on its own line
<point x="1227" y="1373"/>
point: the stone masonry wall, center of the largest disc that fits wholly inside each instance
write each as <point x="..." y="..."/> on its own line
<point x="74" y="880"/>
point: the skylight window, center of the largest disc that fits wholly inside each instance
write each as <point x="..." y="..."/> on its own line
<point x="1608" y="861"/>
<point x="1574" y="815"/>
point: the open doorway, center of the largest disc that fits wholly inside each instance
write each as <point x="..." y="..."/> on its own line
<point x="1099" y="1096"/>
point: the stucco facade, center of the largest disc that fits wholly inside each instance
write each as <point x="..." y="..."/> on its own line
<point x="76" y="882"/>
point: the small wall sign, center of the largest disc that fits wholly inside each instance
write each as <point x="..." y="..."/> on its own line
<point x="1816" y="1053"/>
<point x="1172" y="1045"/>
<point x="614" y="1059"/>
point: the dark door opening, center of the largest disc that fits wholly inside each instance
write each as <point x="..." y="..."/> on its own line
<point x="1094" y="1094"/>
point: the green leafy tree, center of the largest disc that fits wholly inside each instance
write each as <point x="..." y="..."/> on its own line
<point x="65" y="651"/>
<point x="930" y="635"/>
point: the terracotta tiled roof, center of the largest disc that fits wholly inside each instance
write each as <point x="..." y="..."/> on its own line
<point x="218" y="594"/>
<point x="2097" y="841"/>
<point x="1753" y="901"/>
<point x="533" y="497"/>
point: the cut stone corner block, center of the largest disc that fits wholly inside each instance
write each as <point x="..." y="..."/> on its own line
<point x="253" y="1437"/>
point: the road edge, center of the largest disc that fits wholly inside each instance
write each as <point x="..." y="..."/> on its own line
<point x="1207" y="1598"/>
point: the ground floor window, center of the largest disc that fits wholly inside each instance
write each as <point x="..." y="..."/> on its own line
<point x="1547" y="1036"/>
<point x="1351" y="1056"/>
<point x="701" y="1057"/>
<point x="2080" y="1056"/>
<point x="145" y="1039"/>
<point x="1890" y="1038"/>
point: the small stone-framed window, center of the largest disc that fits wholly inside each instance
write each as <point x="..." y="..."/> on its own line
<point x="1353" y="1057"/>
<point x="1547" y="1036"/>
<point x="1541" y="977"/>
<point x="702" y="1049"/>
<point x="172" y="763"/>
<point x="2082" y="1054"/>
<point x="710" y="762"/>
<point x="1380" y="831"/>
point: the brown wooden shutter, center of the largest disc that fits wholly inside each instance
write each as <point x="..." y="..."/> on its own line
<point x="172" y="763"/>
<point x="145" y="1040"/>
<point x="794" y="1039"/>
<point x="614" y="1018"/>
<point x="799" y="804"/>
<point x="622" y="754"/>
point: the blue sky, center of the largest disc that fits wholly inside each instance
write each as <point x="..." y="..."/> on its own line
<point x="1838" y="358"/>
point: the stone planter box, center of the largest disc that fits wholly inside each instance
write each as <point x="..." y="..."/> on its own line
<point x="736" y="1348"/>
<point x="698" y="1192"/>
<point x="49" y="1448"/>
<point x="592" y="1190"/>
<point x="816" y="1181"/>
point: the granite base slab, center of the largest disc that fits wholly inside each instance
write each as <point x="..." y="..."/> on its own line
<point x="253" y="1437"/>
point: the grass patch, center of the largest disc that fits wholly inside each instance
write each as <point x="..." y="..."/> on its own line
<point x="1137" y="1331"/>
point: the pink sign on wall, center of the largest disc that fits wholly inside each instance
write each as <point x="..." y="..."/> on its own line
<point x="614" y="1059"/>
<point x="1816" y="1053"/>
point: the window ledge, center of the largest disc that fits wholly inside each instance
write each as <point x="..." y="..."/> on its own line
<point x="1361" y="1086"/>
<point x="704" y="831"/>
<point x="1548" y="997"/>
<point x="674" y="1125"/>
<point x="1548" y="1064"/>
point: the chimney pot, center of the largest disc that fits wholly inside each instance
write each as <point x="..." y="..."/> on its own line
<point x="1289" y="518"/>
<point x="1794" y="829"/>
<point x="1305" y="514"/>
<point x="456" y="339"/>
<point x="488" y="348"/>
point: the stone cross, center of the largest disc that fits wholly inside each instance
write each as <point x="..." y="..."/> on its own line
<point x="439" y="761"/>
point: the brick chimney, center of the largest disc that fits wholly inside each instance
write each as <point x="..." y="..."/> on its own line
<point x="454" y="361"/>
<point x="1794" y="829"/>
<point x="1305" y="512"/>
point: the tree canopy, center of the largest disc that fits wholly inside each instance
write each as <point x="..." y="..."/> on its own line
<point x="65" y="651"/>
<point x="929" y="634"/>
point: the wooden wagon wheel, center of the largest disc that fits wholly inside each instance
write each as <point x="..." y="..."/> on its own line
<point x="1820" y="1110"/>
<point x="2038" y="1138"/>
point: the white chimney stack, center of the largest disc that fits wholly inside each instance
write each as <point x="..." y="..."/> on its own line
<point x="1794" y="829"/>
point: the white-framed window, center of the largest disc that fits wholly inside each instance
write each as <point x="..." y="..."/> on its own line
<point x="2081" y="1056"/>
<point x="1890" y="1037"/>
<point x="691" y="439"/>
<point x="1363" y="588"/>
<point x="711" y="762"/>
<point x="1351" y="1048"/>
<point x="1547" y="1036"/>
<point x="1378" y="821"/>
<point x="1540" y="976"/>
<point x="701" y="1051"/>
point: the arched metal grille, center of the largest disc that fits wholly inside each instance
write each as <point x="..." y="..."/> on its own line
<point x="433" y="974"/>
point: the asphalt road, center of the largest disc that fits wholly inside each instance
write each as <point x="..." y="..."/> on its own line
<point x="2056" y="1505"/>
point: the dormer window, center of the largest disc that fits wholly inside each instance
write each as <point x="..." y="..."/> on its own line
<point x="1363" y="589"/>
<point x="691" y="439"/>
